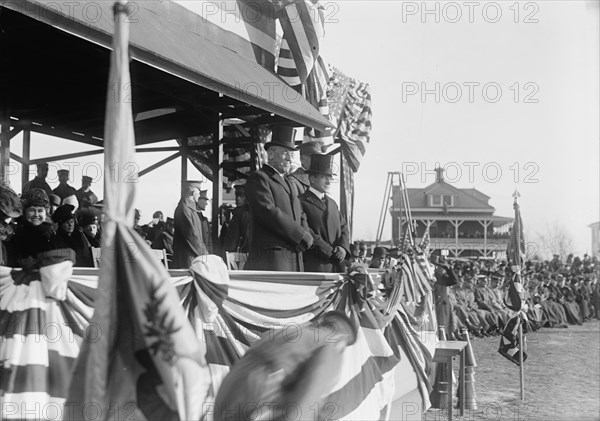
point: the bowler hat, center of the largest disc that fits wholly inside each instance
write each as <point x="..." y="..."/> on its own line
<point x="321" y="164"/>
<point x="282" y="136"/>
<point x="63" y="213"/>
<point x="54" y="200"/>
<point x="380" y="252"/>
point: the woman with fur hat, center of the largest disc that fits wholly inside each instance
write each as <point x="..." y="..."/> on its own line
<point x="10" y="207"/>
<point x="33" y="234"/>
<point x="67" y="236"/>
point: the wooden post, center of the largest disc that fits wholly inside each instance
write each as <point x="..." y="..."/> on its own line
<point x="217" y="196"/>
<point x="184" y="158"/>
<point x="5" y="151"/>
<point x="26" y="156"/>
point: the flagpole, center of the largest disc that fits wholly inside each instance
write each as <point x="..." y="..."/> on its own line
<point x="516" y="195"/>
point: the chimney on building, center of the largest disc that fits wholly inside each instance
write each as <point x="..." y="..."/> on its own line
<point x="439" y="175"/>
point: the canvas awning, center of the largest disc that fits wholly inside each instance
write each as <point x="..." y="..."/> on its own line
<point x="55" y="66"/>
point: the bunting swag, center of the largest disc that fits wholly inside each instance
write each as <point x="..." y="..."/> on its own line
<point x="42" y="327"/>
<point x="225" y="314"/>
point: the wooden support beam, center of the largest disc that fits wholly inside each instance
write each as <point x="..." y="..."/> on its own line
<point x="66" y="156"/>
<point x="217" y="197"/>
<point x="17" y="158"/>
<point x="26" y="156"/>
<point x="159" y="164"/>
<point x="184" y="158"/>
<point x="14" y="132"/>
<point x="64" y="134"/>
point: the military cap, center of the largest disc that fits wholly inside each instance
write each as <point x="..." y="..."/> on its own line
<point x="59" y="172"/>
<point x="203" y="194"/>
<point x="192" y="183"/>
<point x="86" y="179"/>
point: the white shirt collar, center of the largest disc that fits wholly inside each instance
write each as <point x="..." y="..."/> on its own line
<point x="317" y="193"/>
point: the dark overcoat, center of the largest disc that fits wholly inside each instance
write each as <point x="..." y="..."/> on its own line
<point x="187" y="239"/>
<point x="329" y="230"/>
<point x="277" y="226"/>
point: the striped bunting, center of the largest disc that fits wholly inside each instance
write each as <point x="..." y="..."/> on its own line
<point x="261" y="29"/>
<point x="231" y="313"/>
<point x="40" y="342"/>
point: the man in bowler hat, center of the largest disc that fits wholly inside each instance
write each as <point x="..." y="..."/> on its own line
<point x="279" y="234"/>
<point x="187" y="238"/>
<point x="327" y="225"/>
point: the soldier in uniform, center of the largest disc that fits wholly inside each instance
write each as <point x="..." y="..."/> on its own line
<point x="39" y="181"/>
<point x="328" y="227"/>
<point x="85" y="196"/>
<point x="64" y="190"/>
<point x="188" y="242"/>
<point x="279" y="233"/>
<point x="206" y="231"/>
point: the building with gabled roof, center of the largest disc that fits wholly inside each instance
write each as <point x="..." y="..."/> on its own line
<point x="460" y="220"/>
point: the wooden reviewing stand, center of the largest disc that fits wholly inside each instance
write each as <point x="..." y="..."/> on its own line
<point x="444" y="352"/>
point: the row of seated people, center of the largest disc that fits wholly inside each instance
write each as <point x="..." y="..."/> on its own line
<point x="476" y="301"/>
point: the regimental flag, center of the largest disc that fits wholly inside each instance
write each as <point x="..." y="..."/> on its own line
<point x="146" y="363"/>
<point x="510" y="346"/>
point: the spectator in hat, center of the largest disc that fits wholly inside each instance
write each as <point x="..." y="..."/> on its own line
<point x="10" y="207"/>
<point x="155" y="226"/>
<point x="328" y="227"/>
<point x="164" y="239"/>
<point x="39" y="181"/>
<point x="85" y="196"/>
<point x="88" y="222"/>
<point x="206" y="231"/>
<point x="279" y="232"/>
<point x="33" y="234"/>
<point x="67" y="236"/>
<point x="237" y="235"/>
<point x="54" y="203"/>
<point x="64" y="189"/>
<point x="188" y="242"/>
<point x="378" y="258"/>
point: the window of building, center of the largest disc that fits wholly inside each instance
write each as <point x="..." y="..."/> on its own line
<point x="439" y="200"/>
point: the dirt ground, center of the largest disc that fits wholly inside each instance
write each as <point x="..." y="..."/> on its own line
<point x="562" y="378"/>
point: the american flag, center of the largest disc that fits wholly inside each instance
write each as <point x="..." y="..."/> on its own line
<point x="425" y="241"/>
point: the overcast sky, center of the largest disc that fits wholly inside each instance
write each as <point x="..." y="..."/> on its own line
<point x="512" y="101"/>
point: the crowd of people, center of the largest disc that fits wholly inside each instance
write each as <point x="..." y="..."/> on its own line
<point x="557" y="294"/>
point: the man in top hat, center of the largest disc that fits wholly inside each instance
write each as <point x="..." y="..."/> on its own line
<point x="188" y="242"/>
<point x="85" y="196"/>
<point x="39" y="181"/>
<point x="328" y="227"/>
<point x="206" y="231"/>
<point x="279" y="233"/>
<point x="64" y="190"/>
<point x="237" y="236"/>
<point x="299" y="178"/>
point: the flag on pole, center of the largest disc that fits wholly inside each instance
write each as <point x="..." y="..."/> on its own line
<point x="510" y="346"/>
<point x="147" y="361"/>
<point x="425" y="241"/>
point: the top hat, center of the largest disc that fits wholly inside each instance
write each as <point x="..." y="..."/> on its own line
<point x="87" y="179"/>
<point x="312" y="147"/>
<point x="282" y="136"/>
<point x="63" y="213"/>
<point x="321" y="164"/>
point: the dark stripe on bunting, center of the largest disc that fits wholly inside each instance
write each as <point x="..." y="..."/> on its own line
<point x="219" y="350"/>
<point x="84" y="293"/>
<point x="279" y="313"/>
<point x="53" y="379"/>
<point x="70" y="320"/>
<point x="25" y="322"/>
